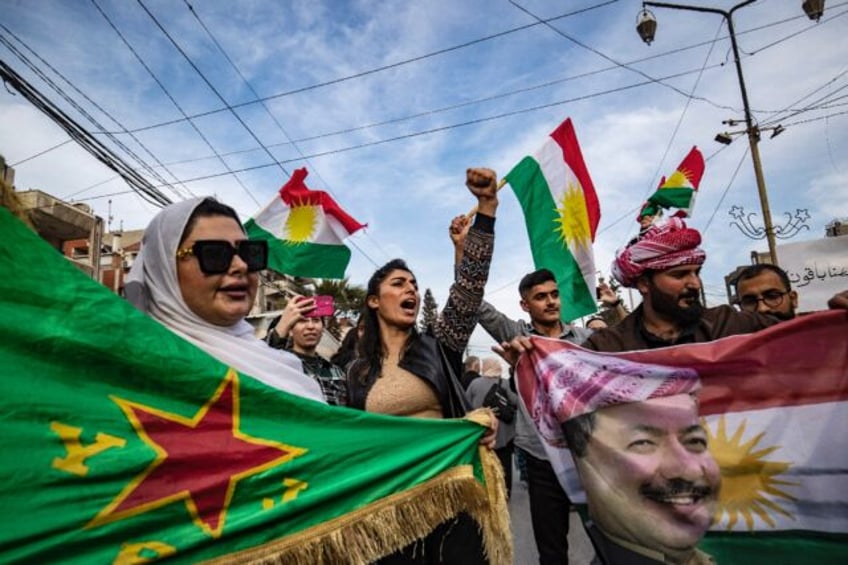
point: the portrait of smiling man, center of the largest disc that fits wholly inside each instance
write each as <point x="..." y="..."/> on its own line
<point x="639" y="448"/>
<point x="650" y="480"/>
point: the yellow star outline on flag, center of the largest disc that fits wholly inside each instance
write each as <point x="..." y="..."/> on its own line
<point x="199" y="460"/>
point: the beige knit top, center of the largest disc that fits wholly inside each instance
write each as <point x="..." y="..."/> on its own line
<point x="400" y="393"/>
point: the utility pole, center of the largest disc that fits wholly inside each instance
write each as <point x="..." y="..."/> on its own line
<point x="752" y="129"/>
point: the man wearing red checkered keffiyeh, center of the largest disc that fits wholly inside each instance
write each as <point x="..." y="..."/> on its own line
<point x="662" y="246"/>
<point x="593" y="395"/>
<point x="664" y="266"/>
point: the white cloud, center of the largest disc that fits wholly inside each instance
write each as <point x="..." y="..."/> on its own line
<point x="408" y="190"/>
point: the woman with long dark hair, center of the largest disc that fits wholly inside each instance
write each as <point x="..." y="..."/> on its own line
<point x="403" y="372"/>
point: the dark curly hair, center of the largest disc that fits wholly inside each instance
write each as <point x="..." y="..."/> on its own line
<point x="370" y="346"/>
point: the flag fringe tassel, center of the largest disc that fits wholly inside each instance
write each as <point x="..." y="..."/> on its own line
<point x="392" y="523"/>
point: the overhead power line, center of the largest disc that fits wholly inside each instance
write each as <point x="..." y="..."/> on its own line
<point x="211" y="86"/>
<point x="40" y="153"/>
<point x="456" y="125"/>
<point x="611" y="60"/>
<point x="726" y="189"/>
<point x="683" y="113"/>
<point x="88" y="142"/>
<point x="467" y="103"/>
<point x="375" y="70"/>
<point x="168" y="94"/>
<point x="276" y="122"/>
<point x="243" y="79"/>
<point x="73" y="103"/>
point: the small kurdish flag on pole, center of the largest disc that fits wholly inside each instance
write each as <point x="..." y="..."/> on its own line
<point x="561" y="211"/>
<point x="774" y="405"/>
<point x="679" y="190"/>
<point x="124" y="443"/>
<point x="305" y="230"/>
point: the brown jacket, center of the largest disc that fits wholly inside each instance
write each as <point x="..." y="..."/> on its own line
<point x="630" y="334"/>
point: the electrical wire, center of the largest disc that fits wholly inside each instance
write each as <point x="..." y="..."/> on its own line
<point x="726" y="189"/>
<point x="611" y="60"/>
<point x="279" y="126"/>
<point x="811" y="107"/>
<point x="211" y="86"/>
<point x="170" y="97"/>
<point x="492" y="97"/>
<point x="244" y="80"/>
<point x="139" y="184"/>
<point x="457" y="125"/>
<point x="62" y="93"/>
<point x="829" y="146"/>
<point x="683" y="112"/>
<point x="40" y="153"/>
<point x="799" y="32"/>
<point x="376" y="69"/>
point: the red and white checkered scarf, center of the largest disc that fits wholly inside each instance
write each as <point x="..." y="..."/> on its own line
<point x="663" y="246"/>
<point x="560" y="381"/>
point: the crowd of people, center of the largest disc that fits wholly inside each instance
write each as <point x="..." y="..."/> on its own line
<point x="197" y="274"/>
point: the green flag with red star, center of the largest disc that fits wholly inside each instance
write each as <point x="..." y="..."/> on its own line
<point x="124" y="443"/>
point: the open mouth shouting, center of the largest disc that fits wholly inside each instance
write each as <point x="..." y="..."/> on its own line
<point x="409" y="306"/>
<point x="690" y="297"/>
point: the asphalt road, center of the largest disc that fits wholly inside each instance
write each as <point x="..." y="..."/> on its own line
<point x="524" y="547"/>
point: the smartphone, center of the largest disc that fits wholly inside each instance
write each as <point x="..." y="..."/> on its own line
<point x="323" y="307"/>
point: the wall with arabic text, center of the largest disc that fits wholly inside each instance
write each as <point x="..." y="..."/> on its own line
<point x="817" y="269"/>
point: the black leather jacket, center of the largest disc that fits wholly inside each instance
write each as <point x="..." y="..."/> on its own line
<point x="427" y="359"/>
<point x="437" y="357"/>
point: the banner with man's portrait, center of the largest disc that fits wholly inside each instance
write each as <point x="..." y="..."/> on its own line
<point x="773" y="413"/>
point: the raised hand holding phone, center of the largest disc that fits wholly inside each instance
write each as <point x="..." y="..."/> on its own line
<point x="296" y="309"/>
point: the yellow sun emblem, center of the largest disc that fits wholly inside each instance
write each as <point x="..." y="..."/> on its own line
<point x="748" y="483"/>
<point x="573" y="220"/>
<point x="301" y="222"/>
<point x="679" y="178"/>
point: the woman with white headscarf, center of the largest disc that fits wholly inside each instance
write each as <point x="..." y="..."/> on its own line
<point x="197" y="274"/>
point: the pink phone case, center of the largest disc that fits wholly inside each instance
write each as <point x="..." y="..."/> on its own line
<point x="323" y="307"/>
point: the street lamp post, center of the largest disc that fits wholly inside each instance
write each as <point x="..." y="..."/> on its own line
<point x="752" y="130"/>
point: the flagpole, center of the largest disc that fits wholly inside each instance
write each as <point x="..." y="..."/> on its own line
<point x="473" y="211"/>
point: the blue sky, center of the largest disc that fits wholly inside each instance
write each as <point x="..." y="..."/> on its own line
<point x="388" y="102"/>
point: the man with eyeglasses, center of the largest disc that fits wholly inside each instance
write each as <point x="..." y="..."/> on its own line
<point x="766" y="289"/>
<point x="664" y="265"/>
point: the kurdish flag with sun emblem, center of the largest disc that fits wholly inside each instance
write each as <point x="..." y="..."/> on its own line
<point x="775" y="408"/>
<point x="561" y="211"/>
<point x="124" y="443"/>
<point x="305" y="230"/>
<point x="678" y="190"/>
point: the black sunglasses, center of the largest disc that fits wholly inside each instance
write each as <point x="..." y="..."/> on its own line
<point x="215" y="256"/>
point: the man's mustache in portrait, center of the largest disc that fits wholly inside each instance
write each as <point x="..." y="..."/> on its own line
<point x="676" y="489"/>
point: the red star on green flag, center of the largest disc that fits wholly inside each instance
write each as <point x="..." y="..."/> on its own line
<point x="124" y="443"/>
<point x="185" y="469"/>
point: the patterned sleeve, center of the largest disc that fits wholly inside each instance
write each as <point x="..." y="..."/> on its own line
<point x="457" y="319"/>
